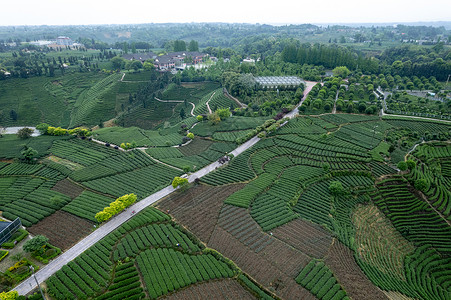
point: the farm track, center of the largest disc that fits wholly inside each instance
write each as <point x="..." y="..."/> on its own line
<point x="207" y="103"/>
<point x="43" y="274"/>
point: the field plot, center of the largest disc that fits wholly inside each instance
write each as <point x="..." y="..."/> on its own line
<point x="291" y="198"/>
<point x="258" y="266"/>
<point x="199" y="208"/>
<point x="142" y="182"/>
<point x="319" y="280"/>
<point x="143" y="138"/>
<point x="307" y="237"/>
<point x="342" y="264"/>
<point x="87" y="204"/>
<point x="215" y="290"/>
<point x="62" y="229"/>
<point x="68" y="188"/>
<point x="146" y="257"/>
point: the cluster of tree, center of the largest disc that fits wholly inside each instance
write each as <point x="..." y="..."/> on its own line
<point x="121" y="63"/>
<point x="329" y="56"/>
<point x="25" y="64"/>
<point x="115" y="207"/>
<point x="219" y="115"/>
<point x="215" y="34"/>
<point x="45" y="128"/>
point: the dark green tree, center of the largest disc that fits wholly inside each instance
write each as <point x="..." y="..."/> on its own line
<point x="193" y="46"/>
<point x="36" y="244"/>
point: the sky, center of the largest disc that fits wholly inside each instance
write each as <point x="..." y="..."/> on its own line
<point x="86" y="12"/>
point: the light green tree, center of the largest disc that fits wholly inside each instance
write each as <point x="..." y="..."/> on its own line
<point x="342" y="72"/>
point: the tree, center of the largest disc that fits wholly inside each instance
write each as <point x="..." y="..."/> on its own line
<point x="56" y="200"/>
<point x="336" y="188"/>
<point x="179" y="45"/>
<point x="13" y="115"/>
<point x="42" y="128"/>
<point x="190" y="135"/>
<point x="193" y="46"/>
<point x="223" y="113"/>
<point x="214" y="118"/>
<point x="102" y="216"/>
<point x="179" y="182"/>
<point x="342" y="72"/>
<point x="411" y="164"/>
<point x="200" y="118"/>
<point x="11" y="295"/>
<point x="118" y="62"/>
<point x="28" y="154"/>
<point x="421" y="185"/>
<point x="36" y="244"/>
<point x="136" y="65"/>
<point x="182" y="113"/>
<point x="402" y="165"/>
<point x="148" y="65"/>
<point x="25" y="133"/>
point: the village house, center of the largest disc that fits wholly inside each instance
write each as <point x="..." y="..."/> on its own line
<point x="172" y="60"/>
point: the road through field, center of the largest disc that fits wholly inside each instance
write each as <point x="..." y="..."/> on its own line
<point x="30" y="284"/>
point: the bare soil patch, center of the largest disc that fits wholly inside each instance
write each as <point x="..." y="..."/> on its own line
<point x="63" y="229"/>
<point x="305" y="236"/>
<point x="259" y="266"/>
<point x="341" y="262"/>
<point x="198" y="208"/>
<point x="214" y="289"/>
<point x="68" y="188"/>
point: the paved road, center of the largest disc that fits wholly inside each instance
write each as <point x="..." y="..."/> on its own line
<point x="30" y="284"/>
<point x="308" y="88"/>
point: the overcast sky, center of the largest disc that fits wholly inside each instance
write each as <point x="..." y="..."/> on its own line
<point x="74" y="12"/>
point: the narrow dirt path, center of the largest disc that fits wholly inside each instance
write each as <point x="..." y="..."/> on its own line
<point x="192" y="110"/>
<point x="169" y="101"/>
<point x="158" y="161"/>
<point x="226" y="93"/>
<point x="334" y="110"/>
<point x="208" y="105"/>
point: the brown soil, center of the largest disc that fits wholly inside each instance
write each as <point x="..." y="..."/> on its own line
<point x="269" y="267"/>
<point x="198" y="208"/>
<point x="63" y="229"/>
<point x="215" y="290"/>
<point x="239" y="223"/>
<point x="68" y="188"/>
<point x="341" y="262"/>
<point x="305" y="236"/>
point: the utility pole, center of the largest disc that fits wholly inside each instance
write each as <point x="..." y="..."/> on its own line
<point x="37" y="283"/>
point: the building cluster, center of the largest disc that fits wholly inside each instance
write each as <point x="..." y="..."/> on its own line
<point x="59" y="42"/>
<point x="170" y="61"/>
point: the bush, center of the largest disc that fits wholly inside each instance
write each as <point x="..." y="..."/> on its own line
<point x="402" y="165"/>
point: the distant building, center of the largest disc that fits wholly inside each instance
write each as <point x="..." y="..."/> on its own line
<point x="64" y="41"/>
<point x="140" y="56"/>
<point x="171" y="60"/>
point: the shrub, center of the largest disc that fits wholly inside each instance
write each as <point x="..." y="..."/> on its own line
<point x="402" y="165"/>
